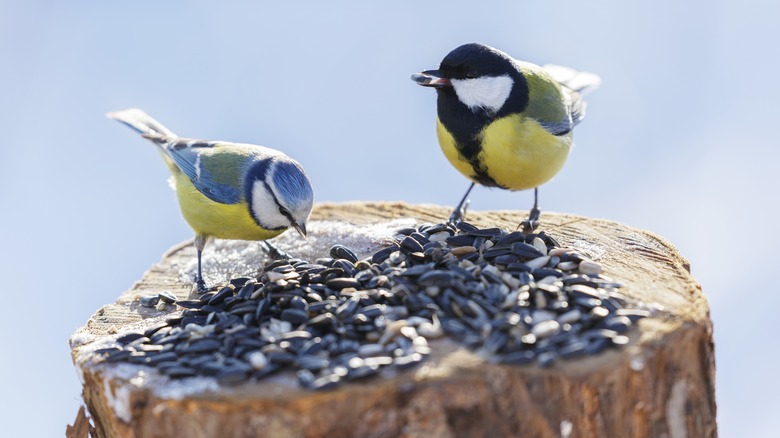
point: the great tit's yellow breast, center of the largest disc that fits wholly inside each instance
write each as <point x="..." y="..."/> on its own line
<point x="520" y="154"/>
<point x="450" y="149"/>
<point x="516" y="152"/>
<point x="223" y="221"/>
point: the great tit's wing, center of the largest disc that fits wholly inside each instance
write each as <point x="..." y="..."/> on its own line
<point x="213" y="170"/>
<point x="579" y="81"/>
<point x="578" y="106"/>
<point x="548" y="102"/>
<point x="576" y="84"/>
<point x="556" y="106"/>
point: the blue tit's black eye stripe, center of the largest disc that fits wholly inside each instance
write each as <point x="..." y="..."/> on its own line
<point x="285" y="212"/>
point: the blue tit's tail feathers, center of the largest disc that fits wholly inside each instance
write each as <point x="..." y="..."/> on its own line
<point x="144" y="124"/>
<point x="579" y="81"/>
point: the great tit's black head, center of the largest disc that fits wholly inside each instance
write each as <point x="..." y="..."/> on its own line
<point x="480" y="77"/>
<point x="475" y="60"/>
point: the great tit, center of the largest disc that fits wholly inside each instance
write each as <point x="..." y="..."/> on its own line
<point x="229" y="190"/>
<point x="503" y="122"/>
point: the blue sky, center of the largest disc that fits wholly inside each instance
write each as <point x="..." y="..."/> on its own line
<point x="678" y="140"/>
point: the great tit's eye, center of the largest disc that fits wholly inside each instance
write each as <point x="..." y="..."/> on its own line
<point x="470" y="75"/>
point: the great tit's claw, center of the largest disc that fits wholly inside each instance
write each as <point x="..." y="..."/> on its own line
<point x="529" y="226"/>
<point x="458" y="214"/>
<point x="532" y="222"/>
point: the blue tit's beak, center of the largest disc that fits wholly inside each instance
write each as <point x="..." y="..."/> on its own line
<point x="431" y="78"/>
<point x="301" y="228"/>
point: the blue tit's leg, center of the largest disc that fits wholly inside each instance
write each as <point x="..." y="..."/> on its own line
<point x="460" y="211"/>
<point x="200" y="243"/>
<point x="532" y="223"/>
<point x="273" y="252"/>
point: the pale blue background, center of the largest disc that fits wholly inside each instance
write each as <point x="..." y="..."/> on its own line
<point x="679" y="140"/>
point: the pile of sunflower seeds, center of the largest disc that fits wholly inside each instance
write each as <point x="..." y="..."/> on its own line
<point x="516" y="299"/>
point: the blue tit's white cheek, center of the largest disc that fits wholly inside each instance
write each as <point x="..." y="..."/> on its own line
<point x="265" y="209"/>
<point x="487" y="92"/>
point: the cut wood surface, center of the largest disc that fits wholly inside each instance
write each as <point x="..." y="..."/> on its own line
<point x="662" y="384"/>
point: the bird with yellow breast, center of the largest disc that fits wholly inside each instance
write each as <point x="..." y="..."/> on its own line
<point x="505" y="123"/>
<point x="229" y="190"/>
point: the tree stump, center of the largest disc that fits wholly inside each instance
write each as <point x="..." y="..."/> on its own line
<point x="662" y="384"/>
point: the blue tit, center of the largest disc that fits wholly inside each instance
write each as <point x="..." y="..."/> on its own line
<point x="503" y="122"/>
<point x="229" y="190"/>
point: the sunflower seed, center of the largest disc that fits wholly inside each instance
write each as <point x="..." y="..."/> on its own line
<point x="519" y="298"/>
<point x="342" y="252"/>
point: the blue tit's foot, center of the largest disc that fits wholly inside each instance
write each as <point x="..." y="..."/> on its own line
<point x="201" y="285"/>
<point x="458" y="214"/>
<point x="274" y="253"/>
<point x="532" y="222"/>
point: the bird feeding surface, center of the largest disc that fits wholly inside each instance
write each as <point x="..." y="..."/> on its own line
<point x="227" y="259"/>
<point x="332" y="316"/>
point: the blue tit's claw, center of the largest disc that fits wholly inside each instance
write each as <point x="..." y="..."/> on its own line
<point x="274" y="253"/>
<point x="201" y="286"/>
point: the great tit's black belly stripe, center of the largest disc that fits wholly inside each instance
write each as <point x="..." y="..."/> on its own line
<point x="470" y="149"/>
<point x="465" y="126"/>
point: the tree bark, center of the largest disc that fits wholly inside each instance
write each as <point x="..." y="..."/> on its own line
<point x="662" y="384"/>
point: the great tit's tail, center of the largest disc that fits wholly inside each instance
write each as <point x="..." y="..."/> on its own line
<point x="579" y="81"/>
<point x="144" y="124"/>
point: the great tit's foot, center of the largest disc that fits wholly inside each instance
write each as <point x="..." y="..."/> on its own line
<point x="458" y="214"/>
<point x="274" y="253"/>
<point x="532" y="222"/>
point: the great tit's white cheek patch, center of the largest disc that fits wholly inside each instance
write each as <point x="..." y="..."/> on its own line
<point x="264" y="207"/>
<point x="488" y="92"/>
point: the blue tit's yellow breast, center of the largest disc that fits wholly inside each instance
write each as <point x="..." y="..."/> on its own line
<point x="516" y="152"/>
<point x="223" y="221"/>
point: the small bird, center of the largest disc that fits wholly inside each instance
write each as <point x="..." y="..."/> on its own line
<point x="503" y="122"/>
<point x="229" y="190"/>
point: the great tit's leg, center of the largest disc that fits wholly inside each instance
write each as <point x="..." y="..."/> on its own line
<point x="532" y="223"/>
<point x="273" y="252"/>
<point x="200" y="243"/>
<point x="460" y="211"/>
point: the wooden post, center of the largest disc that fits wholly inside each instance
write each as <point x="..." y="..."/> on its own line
<point x="662" y="384"/>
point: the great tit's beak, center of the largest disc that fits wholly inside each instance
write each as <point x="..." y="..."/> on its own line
<point x="431" y="78"/>
<point x="301" y="228"/>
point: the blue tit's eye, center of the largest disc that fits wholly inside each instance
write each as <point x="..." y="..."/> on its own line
<point x="284" y="211"/>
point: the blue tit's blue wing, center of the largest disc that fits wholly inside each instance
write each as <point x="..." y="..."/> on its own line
<point x="196" y="160"/>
